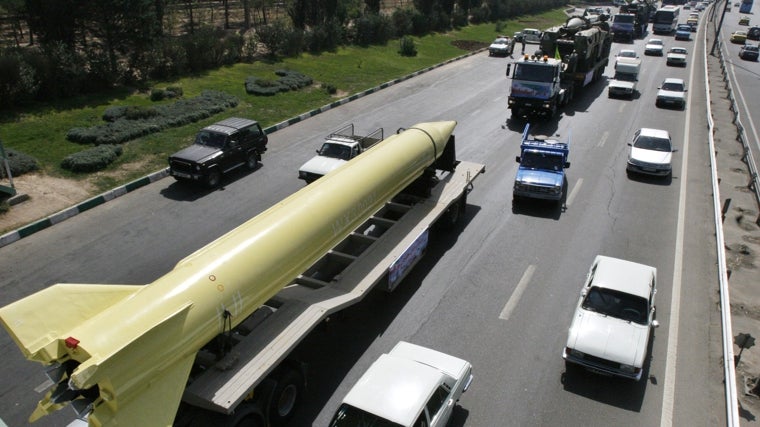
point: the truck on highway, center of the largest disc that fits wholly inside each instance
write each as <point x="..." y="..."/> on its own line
<point x="632" y="19"/>
<point x="623" y="83"/>
<point x="541" y="174"/>
<point x="571" y="57"/>
<point x="338" y="148"/>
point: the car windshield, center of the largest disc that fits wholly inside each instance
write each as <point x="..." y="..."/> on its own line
<point x="500" y="41"/>
<point x="541" y="160"/>
<point x="751" y="48"/>
<point x="672" y="86"/>
<point x="210" y="139"/>
<point x="655" y="42"/>
<point x="627" y="54"/>
<point x="348" y="416"/>
<point x="336" y="151"/>
<point x="678" y="50"/>
<point x="623" y="19"/>
<point x="685" y="28"/>
<point x="652" y="143"/>
<point x="621" y="305"/>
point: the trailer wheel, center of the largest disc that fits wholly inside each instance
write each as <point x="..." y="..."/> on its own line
<point x="286" y="396"/>
<point x="247" y="415"/>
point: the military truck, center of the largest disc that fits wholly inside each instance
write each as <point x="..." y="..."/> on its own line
<point x="641" y="11"/>
<point x="570" y="57"/>
<point x="541" y="174"/>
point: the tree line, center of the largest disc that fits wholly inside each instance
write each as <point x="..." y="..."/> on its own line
<point x="51" y="49"/>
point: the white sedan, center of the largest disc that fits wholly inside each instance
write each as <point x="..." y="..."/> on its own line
<point x="676" y="56"/>
<point x="611" y="327"/>
<point x="654" y="47"/>
<point x="651" y="153"/>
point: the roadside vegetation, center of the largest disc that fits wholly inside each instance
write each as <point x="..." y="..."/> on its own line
<point x="40" y="130"/>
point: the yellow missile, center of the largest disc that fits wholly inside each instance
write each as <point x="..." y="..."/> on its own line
<point x="124" y="353"/>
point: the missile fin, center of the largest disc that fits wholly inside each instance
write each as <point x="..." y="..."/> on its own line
<point x="155" y="403"/>
<point x="39" y="321"/>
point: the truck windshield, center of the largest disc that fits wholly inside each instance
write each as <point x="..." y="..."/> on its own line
<point x="541" y="160"/>
<point x="531" y="72"/>
<point x="210" y="139"/>
<point x="348" y="416"/>
<point x="623" y="19"/>
<point x="336" y="151"/>
<point x="621" y="305"/>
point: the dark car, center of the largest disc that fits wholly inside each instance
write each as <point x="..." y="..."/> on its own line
<point x="753" y="33"/>
<point x="749" y="52"/>
<point x="683" y="32"/>
<point x="218" y="149"/>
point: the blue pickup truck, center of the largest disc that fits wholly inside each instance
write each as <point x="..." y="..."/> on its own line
<point x="541" y="174"/>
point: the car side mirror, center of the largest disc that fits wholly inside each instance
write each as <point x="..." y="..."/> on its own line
<point x="567" y="165"/>
<point x="509" y="68"/>
<point x="517" y="159"/>
<point x="655" y="324"/>
<point x="630" y="145"/>
<point x="584" y="291"/>
<point x="317" y="150"/>
<point x="674" y="150"/>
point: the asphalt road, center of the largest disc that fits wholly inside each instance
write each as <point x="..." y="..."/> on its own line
<point x="455" y="298"/>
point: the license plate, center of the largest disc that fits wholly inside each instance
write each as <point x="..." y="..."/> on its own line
<point x="182" y="175"/>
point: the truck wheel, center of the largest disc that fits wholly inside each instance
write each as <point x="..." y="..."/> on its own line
<point x="252" y="160"/>
<point x="286" y="396"/>
<point x="214" y="178"/>
<point x="246" y="415"/>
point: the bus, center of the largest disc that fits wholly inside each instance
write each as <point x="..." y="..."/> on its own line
<point x="665" y="19"/>
<point x="746" y="6"/>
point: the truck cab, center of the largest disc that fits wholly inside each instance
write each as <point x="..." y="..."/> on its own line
<point x="535" y="87"/>
<point x="541" y="174"/>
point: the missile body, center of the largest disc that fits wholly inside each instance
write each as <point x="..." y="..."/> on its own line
<point x="126" y="351"/>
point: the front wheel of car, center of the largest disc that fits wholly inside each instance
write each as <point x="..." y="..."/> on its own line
<point x="214" y="178"/>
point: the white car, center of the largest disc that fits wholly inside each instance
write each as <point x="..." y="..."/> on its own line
<point x="654" y="47"/>
<point x="611" y="327"/>
<point x="408" y="387"/>
<point x="651" y="153"/>
<point x="502" y="46"/>
<point x="672" y="92"/>
<point x="676" y="56"/>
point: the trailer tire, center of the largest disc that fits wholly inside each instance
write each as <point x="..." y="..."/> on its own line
<point x="247" y="415"/>
<point x="286" y="396"/>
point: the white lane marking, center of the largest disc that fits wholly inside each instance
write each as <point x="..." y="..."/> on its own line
<point x="475" y="113"/>
<point x="517" y="293"/>
<point x="669" y="385"/>
<point x="571" y="197"/>
<point x="603" y="139"/>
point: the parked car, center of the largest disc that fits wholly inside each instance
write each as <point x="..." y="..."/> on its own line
<point x="739" y="37"/>
<point x="683" y="32"/>
<point x="744" y="20"/>
<point x="672" y="92"/>
<point x="613" y="319"/>
<point x="749" y="52"/>
<point x="653" y="47"/>
<point x="753" y="33"/>
<point x="651" y="153"/>
<point x="502" y="46"/>
<point x="410" y="386"/>
<point x="676" y="56"/>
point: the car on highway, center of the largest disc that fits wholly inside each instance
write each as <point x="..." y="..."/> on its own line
<point x="683" y="32"/>
<point x="753" y="33"/>
<point x="676" y="56"/>
<point x="744" y="20"/>
<point x="502" y="46"/>
<point x="410" y="386"/>
<point x="739" y="37"/>
<point x="654" y="47"/>
<point x="749" y="52"/>
<point x="672" y="92"/>
<point x="625" y="54"/>
<point x="700" y="7"/>
<point x="651" y="153"/>
<point x="613" y="319"/>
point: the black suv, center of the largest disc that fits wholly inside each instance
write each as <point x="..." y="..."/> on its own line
<point x="218" y="149"/>
<point x="754" y="33"/>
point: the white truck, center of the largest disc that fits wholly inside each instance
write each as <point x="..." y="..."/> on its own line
<point x="338" y="148"/>
<point x="410" y="386"/>
<point x="623" y="84"/>
<point x="246" y="377"/>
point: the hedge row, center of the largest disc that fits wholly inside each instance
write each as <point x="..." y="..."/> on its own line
<point x="158" y="118"/>
<point x="289" y="80"/>
<point x="93" y="159"/>
<point x="19" y="163"/>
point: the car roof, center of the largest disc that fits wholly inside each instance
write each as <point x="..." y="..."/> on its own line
<point x="625" y="276"/>
<point x="655" y="133"/>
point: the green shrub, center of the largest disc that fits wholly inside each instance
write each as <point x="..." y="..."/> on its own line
<point x="19" y="163"/>
<point x="93" y="159"/>
<point x="407" y="47"/>
<point x="168" y="93"/>
<point x="330" y="88"/>
<point x="289" y="80"/>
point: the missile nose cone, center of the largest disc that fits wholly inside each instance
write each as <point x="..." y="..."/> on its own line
<point x="439" y="132"/>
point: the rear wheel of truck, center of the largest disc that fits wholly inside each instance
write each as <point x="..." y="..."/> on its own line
<point x="286" y="396"/>
<point x="247" y="415"/>
<point x="252" y="160"/>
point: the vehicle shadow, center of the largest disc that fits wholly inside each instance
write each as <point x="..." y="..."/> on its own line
<point x="187" y="191"/>
<point x="619" y="392"/>
<point x="335" y="346"/>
